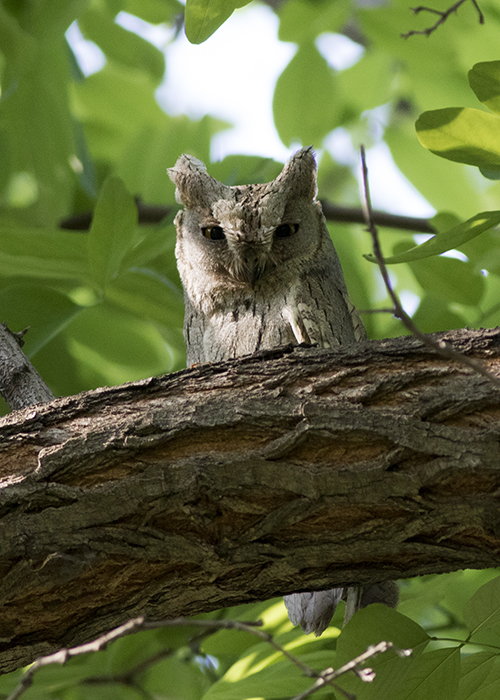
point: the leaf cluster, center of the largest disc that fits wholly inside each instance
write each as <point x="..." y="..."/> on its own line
<point x="448" y="658"/>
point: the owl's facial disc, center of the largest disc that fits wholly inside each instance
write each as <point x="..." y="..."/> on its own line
<point x="246" y="256"/>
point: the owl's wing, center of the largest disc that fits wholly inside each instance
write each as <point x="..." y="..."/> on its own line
<point x="313" y="611"/>
<point x="323" y="316"/>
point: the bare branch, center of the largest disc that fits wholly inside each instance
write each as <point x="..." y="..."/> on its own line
<point x="154" y="214"/>
<point x="365" y="674"/>
<point x="442" y="17"/>
<point x="140" y="623"/>
<point x="441" y="347"/>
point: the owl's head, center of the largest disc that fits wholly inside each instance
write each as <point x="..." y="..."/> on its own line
<point x="246" y="234"/>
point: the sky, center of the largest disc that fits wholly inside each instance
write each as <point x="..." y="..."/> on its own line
<point x="232" y="76"/>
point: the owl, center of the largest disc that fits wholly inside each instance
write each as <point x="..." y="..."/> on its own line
<point x="259" y="270"/>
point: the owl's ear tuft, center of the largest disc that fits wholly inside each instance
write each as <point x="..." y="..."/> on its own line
<point x="299" y="174"/>
<point x="193" y="185"/>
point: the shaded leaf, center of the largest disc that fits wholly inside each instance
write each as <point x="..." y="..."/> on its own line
<point x="42" y="253"/>
<point x="112" y="231"/>
<point x="433" y="675"/>
<point x="484" y="79"/>
<point x="378" y="623"/>
<point x="483" y="609"/>
<point x="450" y="279"/>
<point x="477" y="675"/>
<point x="46" y="311"/>
<point x="434" y="315"/>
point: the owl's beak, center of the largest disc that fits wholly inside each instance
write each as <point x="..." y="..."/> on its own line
<point x="250" y="264"/>
<point x="253" y="275"/>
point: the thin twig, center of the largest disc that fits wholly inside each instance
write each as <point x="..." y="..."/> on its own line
<point x="441" y="348"/>
<point x="365" y="674"/>
<point x="442" y="17"/>
<point x="140" y="623"/>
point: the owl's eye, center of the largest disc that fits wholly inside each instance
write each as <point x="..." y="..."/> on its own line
<point x="286" y="230"/>
<point x="214" y="233"/>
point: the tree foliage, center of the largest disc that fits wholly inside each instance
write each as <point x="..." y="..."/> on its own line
<point x="105" y="306"/>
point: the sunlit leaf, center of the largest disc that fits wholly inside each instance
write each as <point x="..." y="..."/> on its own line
<point x="447" y="240"/>
<point x="462" y="134"/>
<point x="120" y="44"/>
<point x="204" y="17"/>
<point x="306" y="103"/>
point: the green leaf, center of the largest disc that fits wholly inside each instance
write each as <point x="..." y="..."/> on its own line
<point x="301" y="20"/>
<point x="121" y="45"/>
<point x="306" y="102"/>
<point x="151" y="242"/>
<point x="151" y="150"/>
<point x="112" y="231"/>
<point x="35" y="111"/>
<point x="267" y="674"/>
<point x="484" y="79"/>
<point x="448" y="240"/>
<point x="462" y="134"/>
<point x="112" y="346"/>
<point x="42" y="253"/>
<point x="374" y="624"/>
<point x="370" y="626"/>
<point x="203" y="17"/>
<point x="154" y="11"/>
<point x="480" y="674"/>
<point x="365" y="84"/>
<point x="184" y="680"/>
<point x="150" y="295"/>
<point x="483" y="609"/>
<point x="434" y="315"/>
<point x="46" y="311"/>
<point x="114" y="104"/>
<point x="245" y="170"/>
<point x="432" y="675"/>
<point x="450" y="279"/>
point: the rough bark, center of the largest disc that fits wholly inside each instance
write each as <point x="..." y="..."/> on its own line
<point x="20" y="383"/>
<point x="226" y="483"/>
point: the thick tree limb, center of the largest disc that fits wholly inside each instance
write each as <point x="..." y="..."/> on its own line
<point x="226" y="483"/>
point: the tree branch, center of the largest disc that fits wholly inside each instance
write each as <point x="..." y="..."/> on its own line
<point x="20" y="383"/>
<point x="442" y="17"/>
<point x="294" y="469"/>
<point x="154" y="214"/>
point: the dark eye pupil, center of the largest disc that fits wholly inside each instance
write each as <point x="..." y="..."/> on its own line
<point x="214" y="233"/>
<point x="286" y="230"/>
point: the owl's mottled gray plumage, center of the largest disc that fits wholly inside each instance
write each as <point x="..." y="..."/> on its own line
<point x="259" y="270"/>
